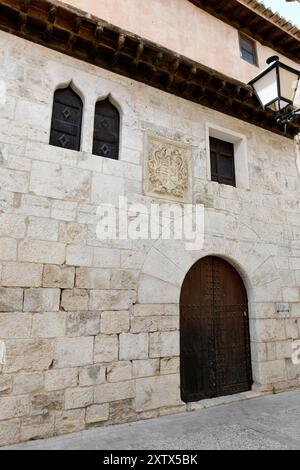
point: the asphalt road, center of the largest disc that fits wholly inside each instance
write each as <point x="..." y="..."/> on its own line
<point x="269" y="422"/>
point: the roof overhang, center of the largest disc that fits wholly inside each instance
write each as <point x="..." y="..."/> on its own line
<point x="257" y="21"/>
<point x="80" y="35"/>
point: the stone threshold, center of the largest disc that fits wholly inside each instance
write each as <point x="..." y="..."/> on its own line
<point x="213" y="402"/>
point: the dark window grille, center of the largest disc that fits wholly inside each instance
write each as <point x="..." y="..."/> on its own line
<point x="106" y="130"/>
<point x="248" y="50"/>
<point x="222" y="162"/>
<point x="66" y="119"/>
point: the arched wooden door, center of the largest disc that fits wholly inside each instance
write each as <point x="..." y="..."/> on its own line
<point x="215" y="357"/>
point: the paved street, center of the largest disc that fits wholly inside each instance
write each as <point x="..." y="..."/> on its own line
<point x="268" y="422"/>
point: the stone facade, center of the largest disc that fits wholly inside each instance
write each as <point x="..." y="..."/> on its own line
<point x="91" y="327"/>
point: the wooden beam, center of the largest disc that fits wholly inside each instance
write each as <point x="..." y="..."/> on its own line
<point x="87" y="38"/>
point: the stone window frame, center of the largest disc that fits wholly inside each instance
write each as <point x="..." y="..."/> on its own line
<point x="239" y="142"/>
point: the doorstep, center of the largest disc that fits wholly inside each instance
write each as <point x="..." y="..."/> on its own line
<point x="211" y="402"/>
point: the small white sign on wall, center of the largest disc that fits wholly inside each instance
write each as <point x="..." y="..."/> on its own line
<point x="283" y="309"/>
<point x="2" y="93"/>
<point x="2" y="353"/>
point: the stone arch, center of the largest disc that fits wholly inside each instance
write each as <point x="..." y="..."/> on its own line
<point x="167" y="262"/>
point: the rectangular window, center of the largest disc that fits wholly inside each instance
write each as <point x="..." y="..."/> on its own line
<point x="248" y="49"/>
<point x="222" y="161"/>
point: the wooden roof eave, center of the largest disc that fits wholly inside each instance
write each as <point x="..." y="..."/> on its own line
<point x="84" y="37"/>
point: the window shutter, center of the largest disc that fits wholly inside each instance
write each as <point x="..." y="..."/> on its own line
<point x="66" y="119"/>
<point x="106" y="130"/>
<point x="222" y="162"/>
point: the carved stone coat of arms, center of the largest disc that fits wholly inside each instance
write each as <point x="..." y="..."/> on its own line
<point x="167" y="168"/>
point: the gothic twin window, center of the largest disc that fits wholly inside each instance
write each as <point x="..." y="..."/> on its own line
<point x="67" y="120"/>
<point x="106" y="130"/>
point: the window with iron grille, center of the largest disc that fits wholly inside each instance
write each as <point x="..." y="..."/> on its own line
<point x="222" y="162"/>
<point x="66" y="119"/>
<point x="248" y="49"/>
<point x="106" y="130"/>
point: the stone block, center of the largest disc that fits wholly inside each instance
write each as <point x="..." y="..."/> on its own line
<point x="14" y="407"/>
<point x="270" y="372"/>
<point x="5" y="384"/>
<point x="148" y="310"/>
<point x="145" y="368"/>
<point x="69" y="421"/>
<point x="124" y="279"/>
<point x="92" y="375"/>
<point x="106" y="348"/>
<point x="164" y="344"/>
<point x="110" y="392"/>
<point x="41" y="228"/>
<point x="132" y="259"/>
<point x="152" y="324"/>
<point x="28" y="354"/>
<point x="83" y="323"/>
<point x="79" y="255"/>
<point x="10" y="432"/>
<point x="15" y="325"/>
<point x="73" y="352"/>
<point x="268" y="330"/>
<point x="49" y="325"/>
<point x="59" y="182"/>
<point x="133" y="346"/>
<point x="106" y="258"/>
<point x="22" y="274"/>
<point x="58" y="276"/>
<point x="64" y="210"/>
<point x="169" y="365"/>
<point x="46" y="403"/>
<point x="114" y="322"/>
<point x="284" y="349"/>
<point x="34" y="205"/>
<point x="73" y="232"/>
<point x="119" y="371"/>
<point x="28" y="383"/>
<point x="79" y="397"/>
<point x="107" y="189"/>
<point x="60" y="379"/>
<point x="92" y="278"/>
<point x="97" y="413"/>
<point x="15" y="181"/>
<point x="165" y="292"/>
<point x="41" y="300"/>
<point x="40" y="251"/>
<point x="291" y="326"/>
<point x="111" y="299"/>
<point x="122" y="411"/>
<point x="11" y="299"/>
<point x="157" y="392"/>
<point x="12" y="225"/>
<point x="37" y="427"/>
<point x="73" y="300"/>
<point x="8" y="249"/>
<point x="290" y="294"/>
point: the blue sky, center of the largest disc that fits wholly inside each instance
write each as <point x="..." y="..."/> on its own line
<point x="291" y="11"/>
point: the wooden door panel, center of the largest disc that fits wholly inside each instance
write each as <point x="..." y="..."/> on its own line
<point x="214" y="337"/>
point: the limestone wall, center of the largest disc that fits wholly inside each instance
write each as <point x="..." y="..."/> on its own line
<point x="91" y="328"/>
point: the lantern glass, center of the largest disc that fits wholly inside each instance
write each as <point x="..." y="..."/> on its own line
<point x="276" y="87"/>
<point x="289" y="82"/>
<point x="266" y="88"/>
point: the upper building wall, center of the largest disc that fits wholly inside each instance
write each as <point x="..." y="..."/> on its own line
<point x="182" y="27"/>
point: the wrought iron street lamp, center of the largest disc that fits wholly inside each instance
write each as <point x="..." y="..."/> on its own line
<point x="276" y="89"/>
